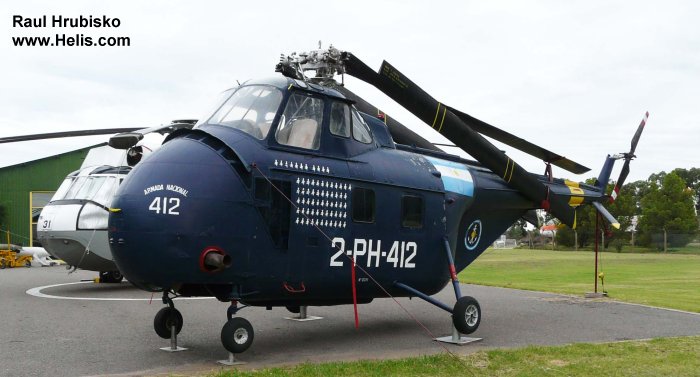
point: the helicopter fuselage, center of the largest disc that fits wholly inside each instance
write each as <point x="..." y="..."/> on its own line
<point x="289" y="218"/>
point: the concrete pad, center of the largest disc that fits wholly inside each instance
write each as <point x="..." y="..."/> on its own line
<point x="50" y="336"/>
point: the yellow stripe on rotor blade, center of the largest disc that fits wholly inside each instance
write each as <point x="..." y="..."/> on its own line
<point x="437" y="112"/>
<point x="576" y="196"/>
<point x="512" y="167"/>
<point x="444" y="112"/>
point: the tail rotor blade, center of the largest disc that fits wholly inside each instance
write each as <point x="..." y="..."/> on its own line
<point x="638" y="134"/>
<point x="628" y="157"/>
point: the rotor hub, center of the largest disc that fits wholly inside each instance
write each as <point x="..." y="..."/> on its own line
<point x="326" y="63"/>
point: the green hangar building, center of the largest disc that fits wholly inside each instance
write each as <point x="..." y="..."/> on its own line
<point x="25" y="188"/>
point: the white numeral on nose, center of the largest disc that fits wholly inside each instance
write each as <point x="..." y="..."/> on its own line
<point x="165" y="205"/>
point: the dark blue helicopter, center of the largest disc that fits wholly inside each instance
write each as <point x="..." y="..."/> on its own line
<point x="287" y="187"/>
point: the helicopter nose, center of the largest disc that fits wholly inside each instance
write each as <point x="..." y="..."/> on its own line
<point x="175" y="217"/>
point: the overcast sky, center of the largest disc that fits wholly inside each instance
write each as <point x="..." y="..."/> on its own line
<point x="575" y="77"/>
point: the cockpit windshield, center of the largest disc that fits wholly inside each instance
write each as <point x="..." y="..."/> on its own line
<point x="250" y="109"/>
<point x="98" y="188"/>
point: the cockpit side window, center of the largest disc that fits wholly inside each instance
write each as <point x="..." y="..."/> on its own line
<point x="250" y="109"/>
<point x="300" y="124"/>
<point x="340" y="119"/>
<point x="360" y="130"/>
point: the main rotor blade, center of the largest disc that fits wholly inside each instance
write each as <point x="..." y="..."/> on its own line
<point x="400" y="133"/>
<point x="402" y="90"/>
<point x="55" y="135"/>
<point x="127" y="140"/>
<point x="519" y="143"/>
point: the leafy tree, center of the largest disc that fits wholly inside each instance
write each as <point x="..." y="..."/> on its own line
<point x="517" y="230"/>
<point x="669" y="207"/>
<point x="692" y="179"/>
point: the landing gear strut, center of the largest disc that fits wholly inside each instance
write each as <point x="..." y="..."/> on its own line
<point x="237" y="334"/>
<point x="168" y="323"/>
<point x="466" y="313"/>
<point x="302" y="314"/>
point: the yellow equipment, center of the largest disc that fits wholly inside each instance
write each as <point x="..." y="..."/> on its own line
<point x="11" y="258"/>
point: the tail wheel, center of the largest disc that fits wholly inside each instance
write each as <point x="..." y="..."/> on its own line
<point x="111" y="277"/>
<point x="466" y="315"/>
<point x="237" y="335"/>
<point x="165" y="319"/>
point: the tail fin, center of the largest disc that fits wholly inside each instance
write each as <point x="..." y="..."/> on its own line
<point x="604" y="176"/>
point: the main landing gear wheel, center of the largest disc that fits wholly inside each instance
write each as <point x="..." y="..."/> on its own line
<point x="466" y="315"/>
<point x="294" y="309"/>
<point x="165" y="319"/>
<point x="237" y="335"/>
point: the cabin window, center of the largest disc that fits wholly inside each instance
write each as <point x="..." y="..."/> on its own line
<point x="300" y="125"/>
<point x="274" y="208"/>
<point x="412" y="212"/>
<point x="360" y="130"/>
<point x="340" y="119"/>
<point x="363" y="205"/>
<point x="250" y="109"/>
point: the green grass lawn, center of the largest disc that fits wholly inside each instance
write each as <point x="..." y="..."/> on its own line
<point x="666" y="280"/>
<point x="658" y="357"/>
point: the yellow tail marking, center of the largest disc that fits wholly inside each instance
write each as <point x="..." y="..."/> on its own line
<point x="115" y="210"/>
<point x="506" y="172"/>
<point x="571" y="183"/>
<point x="576" y="196"/>
<point x="436" y="115"/>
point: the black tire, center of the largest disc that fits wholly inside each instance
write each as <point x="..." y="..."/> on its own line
<point x="164" y="319"/>
<point x="111" y="277"/>
<point x="295" y="309"/>
<point x="2" y="265"/>
<point x="27" y="264"/>
<point x="466" y="315"/>
<point x="116" y="276"/>
<point x="237" y="335"/>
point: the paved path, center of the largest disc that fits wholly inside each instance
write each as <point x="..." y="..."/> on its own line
<point x="42" y="336"/>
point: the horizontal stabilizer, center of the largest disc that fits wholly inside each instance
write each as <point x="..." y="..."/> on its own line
<point x="608" y="216"/>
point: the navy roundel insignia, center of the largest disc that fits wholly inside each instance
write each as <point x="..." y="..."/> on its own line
<point x="473" y="235"/>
